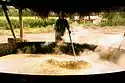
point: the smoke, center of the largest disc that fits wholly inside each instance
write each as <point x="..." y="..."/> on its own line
<point x="121" y="61"/>
<point x="111" y="56"/>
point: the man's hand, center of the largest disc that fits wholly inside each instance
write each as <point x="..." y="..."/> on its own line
<point x="69" y="31"/>
<point x="54" y="28"/>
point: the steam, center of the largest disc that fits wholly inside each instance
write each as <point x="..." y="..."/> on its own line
<point x="121" y="61"/>
<point x="109" y="56"/>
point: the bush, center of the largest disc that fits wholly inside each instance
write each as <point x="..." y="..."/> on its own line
<point x="113" y="19"/>
<point x="14" y="12"/>
<point x="28" y="23"/>
<point x="38" y="23"/>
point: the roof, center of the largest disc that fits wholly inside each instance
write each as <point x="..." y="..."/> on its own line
<point x="82" y="7"/>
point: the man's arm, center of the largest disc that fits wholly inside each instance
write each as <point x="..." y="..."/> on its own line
<point x="56" y="24"/>
<point x="67" y="26"/>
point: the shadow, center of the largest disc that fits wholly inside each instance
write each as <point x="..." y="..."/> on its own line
<point x="7" y="48"/>
<point x="43" y="48"/>
<point x="50" y="47"/>
<point x="25" y="78"/>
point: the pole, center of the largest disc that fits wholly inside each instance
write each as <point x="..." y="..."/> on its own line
<point x="121" y="42"/>
<point x="21" y="23"/>
<point x="72" y="47"/>
<point x="8" y="20"/>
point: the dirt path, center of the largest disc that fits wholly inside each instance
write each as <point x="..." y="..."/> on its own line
<point x="79" y="36"/>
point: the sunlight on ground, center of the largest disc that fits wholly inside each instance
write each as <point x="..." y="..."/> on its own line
<point x="79" y="35"/>
<point x="91" y="37"/>
<point x="113" y="39"/>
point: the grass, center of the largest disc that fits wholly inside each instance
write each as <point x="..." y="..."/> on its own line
<point x="28" y="22"/>
<point x="33" y="17"/>
<point x="49" y="28"/>
<point x="28" y="30"/>
<point x="38" y="30"/>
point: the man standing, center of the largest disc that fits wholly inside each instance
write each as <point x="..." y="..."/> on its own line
<point x="60" y="27"/>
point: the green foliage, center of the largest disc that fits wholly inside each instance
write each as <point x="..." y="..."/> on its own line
<point x="113" y="19"/>
<point x="1" y="12"/>
<point x="38" y="23"/>
<point x="4" y="24"/>
<point x="27" y="12"/>
<point x="109" y="19"/>
<point x="14" y="12"/>
<point x="28" y="23"/>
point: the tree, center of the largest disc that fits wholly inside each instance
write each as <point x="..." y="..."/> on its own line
<point x="1" y="11"/>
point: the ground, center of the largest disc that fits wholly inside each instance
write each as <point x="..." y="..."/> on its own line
<point x="28" y="64"/>
<point x="96" y="35"/>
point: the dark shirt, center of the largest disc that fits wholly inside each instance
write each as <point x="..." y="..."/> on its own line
<point x="61" y="25"/>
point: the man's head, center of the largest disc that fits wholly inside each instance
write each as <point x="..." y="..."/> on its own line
<point x="61" y="15"/>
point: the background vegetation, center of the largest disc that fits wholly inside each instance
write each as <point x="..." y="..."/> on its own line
<point x="38" y="24"/>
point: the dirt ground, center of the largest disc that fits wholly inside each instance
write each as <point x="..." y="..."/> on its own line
<point x="98" y="36"/>
<point x="27" y="64"/>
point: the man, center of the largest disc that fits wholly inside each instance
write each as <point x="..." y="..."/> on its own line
<point x="60" y="27"/>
